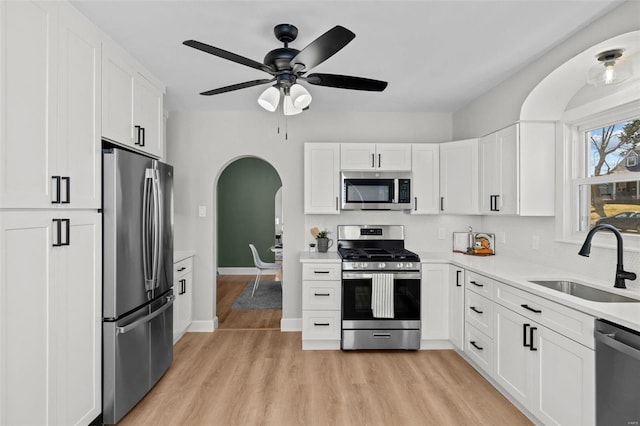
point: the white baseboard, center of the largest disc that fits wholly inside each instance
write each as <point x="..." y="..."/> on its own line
<point x="291" y="324"/>
<point x="202" y="326"/>
<point x="237" y="271"/>
<point x="436" y="344"/>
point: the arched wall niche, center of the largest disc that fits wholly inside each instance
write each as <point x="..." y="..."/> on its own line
<point x="549" y="99"/>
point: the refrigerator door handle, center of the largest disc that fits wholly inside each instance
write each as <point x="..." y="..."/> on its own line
<point x="127" y="328"/>
<point x="157" y="228"/>
<point x="147" y="249"/>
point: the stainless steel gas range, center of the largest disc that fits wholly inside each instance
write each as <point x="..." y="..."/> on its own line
<point x="380" y="288"/>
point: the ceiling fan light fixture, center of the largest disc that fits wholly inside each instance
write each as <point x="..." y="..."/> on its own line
<point x="289" y="108"/>
<point x="300" y="96"/>
<point x="269" y="99"/>
<point x="610" y="69"/>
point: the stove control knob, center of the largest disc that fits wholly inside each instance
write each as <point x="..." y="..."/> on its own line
<point x="382" y="265"/>
<point x="400" y="265"/>
<point x="364" y="265"/>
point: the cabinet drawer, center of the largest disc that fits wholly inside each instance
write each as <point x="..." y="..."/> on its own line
<point x="183" y="267"/>
<point x="479" y="312"/>
<point x="321" y="271"/>
<point x="480" y="284"/>
<point x="479" y="347"/>
<point x="321" y="295"/>
<point x="561" y="319"/>
<point x="320" y="325"/>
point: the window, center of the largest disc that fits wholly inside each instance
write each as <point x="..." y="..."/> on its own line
<point x="608" y="184"/>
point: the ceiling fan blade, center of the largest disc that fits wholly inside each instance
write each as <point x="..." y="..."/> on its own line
<point x="228" y="56"/>
<point x="345" y="82"/>
<point x="237" y="86"/>
<point x="323" y="47"/>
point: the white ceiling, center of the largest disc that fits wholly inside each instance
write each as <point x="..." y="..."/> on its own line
<point x="436" y="55"/>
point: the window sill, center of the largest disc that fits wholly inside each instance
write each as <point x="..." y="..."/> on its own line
<point x="631" y="243"/>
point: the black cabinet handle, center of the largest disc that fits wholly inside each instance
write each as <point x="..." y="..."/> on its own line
<point x="473" y="343"/>
<point x="321" y="294"/>
<point x="476" y="284"/>
<point x="373" y="161"/>
<point x="58" y="233"/>
<point x="491" y="205"/>
<point x="496" y="202"/>
<point x="379" y="160"/>
<point x="529" y="308"/>
<point x="321" y="324"/>
<point x="476" y="310"/>
<point x="415" y="203"/>
<point x="57" y="192"/>
<point x="143" y="139"/>
<point x="458" y="272"/>
<point x="68" y="231"/>
<point x="441" y="204"/>
<point x="182" y="269"/>
<point x="524" y="335"/>
<point x="68" y="185"/>
<point x="321" y="272"/>
<point x="137" y="139"/>
<point x="531" y="330"/>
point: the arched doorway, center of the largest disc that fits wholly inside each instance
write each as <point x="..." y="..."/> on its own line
<point x="246" y="214"/>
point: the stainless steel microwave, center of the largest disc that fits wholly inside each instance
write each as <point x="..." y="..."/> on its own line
<point x="376" y="191"/>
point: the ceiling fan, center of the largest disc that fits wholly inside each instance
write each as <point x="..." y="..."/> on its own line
<point x="287" y="65"/>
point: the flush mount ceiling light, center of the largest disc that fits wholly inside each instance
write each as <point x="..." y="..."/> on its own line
<point x="285" y="65"/>
<point x="610" y="69"/>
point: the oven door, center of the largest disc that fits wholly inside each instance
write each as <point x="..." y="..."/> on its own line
<point x="356" y="301"/>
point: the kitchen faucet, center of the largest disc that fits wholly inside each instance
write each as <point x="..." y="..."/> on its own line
<point x="621" y="274"/>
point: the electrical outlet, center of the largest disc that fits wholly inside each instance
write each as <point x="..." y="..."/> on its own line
<point x="202" y="211"/>
<point x="535" y="242"/>
<point x="441" y="233"/>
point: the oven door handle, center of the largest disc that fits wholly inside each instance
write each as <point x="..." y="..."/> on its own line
<point x="369" y="275"/>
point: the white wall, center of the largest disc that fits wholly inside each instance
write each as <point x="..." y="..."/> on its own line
<point x="501" y="107"/>
<point x="200" y="145"/>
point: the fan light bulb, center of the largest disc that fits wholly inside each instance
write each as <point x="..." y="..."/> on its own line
<point x="300" y="96"/>
<point x="289" y="108"/>
<point x="269" y="99"/>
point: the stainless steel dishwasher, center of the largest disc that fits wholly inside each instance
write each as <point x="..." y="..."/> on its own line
<point x="617" y="374"/>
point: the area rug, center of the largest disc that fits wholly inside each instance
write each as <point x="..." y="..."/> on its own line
<point x="268" y="295"/>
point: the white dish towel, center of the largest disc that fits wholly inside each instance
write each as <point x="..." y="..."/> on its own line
<point x="382" y="296"/>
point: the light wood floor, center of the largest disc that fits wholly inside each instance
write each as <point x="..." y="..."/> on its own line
<point x="229" y="288"/>
<point x="249" y="373"/>
<point x="262" y="377"/>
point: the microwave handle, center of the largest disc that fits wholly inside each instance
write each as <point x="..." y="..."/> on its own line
<point x="396" y="190"/>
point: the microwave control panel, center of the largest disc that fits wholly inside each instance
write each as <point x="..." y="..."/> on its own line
<point x="404" y="190"/>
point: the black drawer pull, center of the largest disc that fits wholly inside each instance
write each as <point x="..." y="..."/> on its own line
<point x="477" y="311"/>
<point x="57" y="192"/>
<point x="182" y="269"/>
<point x="321" y="272"/>
<point x="476" y="284"/>
<point x="458" y="272"/>
<point x="529" y="308"/>
<point x="473" y="343"/>
<point x="524" y="335"/>
<point x="321" y="294"/>
<point x="321" y="324"/>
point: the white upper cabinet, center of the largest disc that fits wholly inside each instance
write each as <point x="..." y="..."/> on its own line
<point x="517" y="170"/>
<point x="425" y="176"/>
<point x="131" y="104"/>
<point x="49" y="107"/>
<point x="381" y="156"/>
<point x="321" y="178"/>
<point x="459" y="177"/>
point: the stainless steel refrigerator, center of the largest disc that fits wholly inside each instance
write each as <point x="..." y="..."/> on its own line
<point x="138" y="278"/>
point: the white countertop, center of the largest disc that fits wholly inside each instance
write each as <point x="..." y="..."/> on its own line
<point x="518" y="273"/>
<point x="182" y="255"/>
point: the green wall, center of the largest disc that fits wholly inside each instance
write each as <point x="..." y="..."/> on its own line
<point x="246" y="211"/>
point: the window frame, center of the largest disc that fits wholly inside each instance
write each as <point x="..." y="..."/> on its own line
<point x="573" y="168"/>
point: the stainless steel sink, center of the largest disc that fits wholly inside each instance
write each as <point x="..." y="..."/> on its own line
<point x="584" y="292"/>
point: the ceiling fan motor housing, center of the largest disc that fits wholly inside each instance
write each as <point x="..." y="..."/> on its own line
<point x="280" y="58"/>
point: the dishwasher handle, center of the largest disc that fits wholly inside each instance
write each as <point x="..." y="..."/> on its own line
<point x="610" y="340"/>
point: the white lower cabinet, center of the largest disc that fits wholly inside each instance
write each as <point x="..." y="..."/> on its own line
<point x="456" y="306"/>
<point x="549" y="374"/>
<point x="434" y="302"/>
<point x="321" y="305"/>
<point x="51" y="316"/>
<point x="183" y="291"/>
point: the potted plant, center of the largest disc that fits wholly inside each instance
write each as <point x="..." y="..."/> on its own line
<point x="322" y="238"/>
